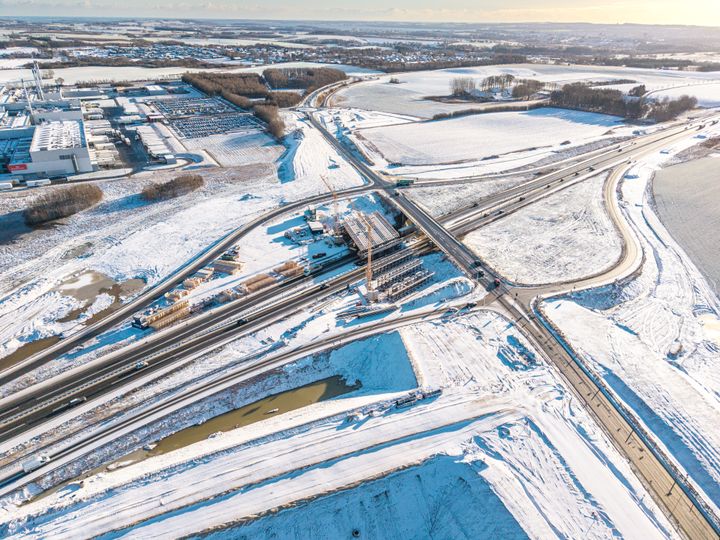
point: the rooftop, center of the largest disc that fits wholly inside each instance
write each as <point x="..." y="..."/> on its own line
<point x="58" y="135"/>
<point x="381" y="232"/>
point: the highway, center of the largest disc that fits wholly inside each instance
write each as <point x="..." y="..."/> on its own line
<point x="680" y="503"/>
<point x="252" y="367"/>
<point x="25" y="409"/>
<point x="156" y="292"/>
<point x="669" y="489"/>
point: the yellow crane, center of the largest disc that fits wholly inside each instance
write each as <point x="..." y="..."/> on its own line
<point x="368" y="268"/>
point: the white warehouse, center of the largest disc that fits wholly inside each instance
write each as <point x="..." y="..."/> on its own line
<point x="57" y="148"/>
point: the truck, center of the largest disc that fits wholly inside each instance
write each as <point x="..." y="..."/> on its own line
<point x="35" y="462"/>
<point x="404" y="182"/>
<point x="38" y="183"/>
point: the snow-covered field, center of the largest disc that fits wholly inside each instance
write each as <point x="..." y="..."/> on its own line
<point x="655" y="339"/>
<point x="124" y="238"/>
<point x="563" y="237"/>
<point x="504" y="440"/>
<point x="487" y="135"/>
<point x="408" y="96"/>
<point x="440" y="200"/>
<point x="235" y="149"/>
<point x="708" y="95"/>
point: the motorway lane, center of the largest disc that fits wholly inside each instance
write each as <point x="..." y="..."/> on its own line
<point x="30" y="406"/>
<point x="669" y="490"/>
<point x="157" y="291"/>
<point x="104" y="433"/>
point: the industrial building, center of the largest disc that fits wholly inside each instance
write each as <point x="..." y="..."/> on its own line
<point x="57" y="148"/>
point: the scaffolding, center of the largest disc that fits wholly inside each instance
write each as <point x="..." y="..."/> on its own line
<point x="407" y="285"/>
<point x="397" y="273"/>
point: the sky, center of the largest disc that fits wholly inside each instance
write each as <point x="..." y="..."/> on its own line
<point x="696" y="12"/>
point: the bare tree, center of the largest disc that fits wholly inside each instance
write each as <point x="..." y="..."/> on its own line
<point x="460" y="86"/>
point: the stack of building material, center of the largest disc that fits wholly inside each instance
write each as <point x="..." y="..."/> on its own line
<point x="227" y="267"/>
<point x="289" y="269"/>
<point x="153" y="317"/>
<point x="177" y="294"/>
<point x="170" y="319"/>
<point x="258" y="282"/>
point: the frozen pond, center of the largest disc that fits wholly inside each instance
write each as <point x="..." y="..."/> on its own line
<point x="687" y="198"/>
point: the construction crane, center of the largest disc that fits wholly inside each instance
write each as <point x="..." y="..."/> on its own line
<point x="336" y="213"/>
<point x="368" y="268"/>
<point x="371" y="293"/>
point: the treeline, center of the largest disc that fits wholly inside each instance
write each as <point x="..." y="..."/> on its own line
<point x="248" y="85"/>
<point x="239" y="88"/>
<point x="389" y="66"/>
<point x="180" y="185"/>
<point x="521" y="88"/>
<point x="499" y="107"/>
<point x="61" y="203"/>
<point x="308" y="79"/>
<point x="524" y="88"/>
<point x="270" y="114"/>
<point x="603" y="100"/>
<point x="667" y="109"/>
<point x="655" y="63"/>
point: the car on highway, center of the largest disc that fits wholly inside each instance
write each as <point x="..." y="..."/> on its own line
<point x="240" y="322"/>
<point x="35" y="462"/>
<point x="141" y="364"/>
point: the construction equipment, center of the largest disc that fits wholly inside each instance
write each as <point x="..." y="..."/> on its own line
<point x="337" y="237"/>
<point x="372" y="294"/>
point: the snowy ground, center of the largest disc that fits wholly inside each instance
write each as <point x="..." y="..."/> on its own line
<point x="486" y="135"/>
<point x="440" y="200"/>
<point x="408" y="96"/>
<point x="504" y="440"/>
<point x="563" y="237"/>
<point x="125" y="238"/>
<point x="319" y="319"/>
<point x="240" y="148"/>
<point x="708" y="95"/>
<point x="440" y="141"/>
<point x="656" y="339"/>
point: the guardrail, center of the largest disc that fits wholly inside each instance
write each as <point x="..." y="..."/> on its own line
<point x="636" y="425"/>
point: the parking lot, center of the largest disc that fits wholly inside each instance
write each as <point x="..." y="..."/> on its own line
<point x="187" y="107"/>
<point x="204" y="126"/>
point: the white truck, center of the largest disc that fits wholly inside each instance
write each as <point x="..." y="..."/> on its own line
<point x="35" y="463"/>
<point x="38" y="183"/>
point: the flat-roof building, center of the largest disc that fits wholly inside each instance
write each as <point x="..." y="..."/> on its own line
<point x="57" y="148"/>
<point x="382" y="235"/>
